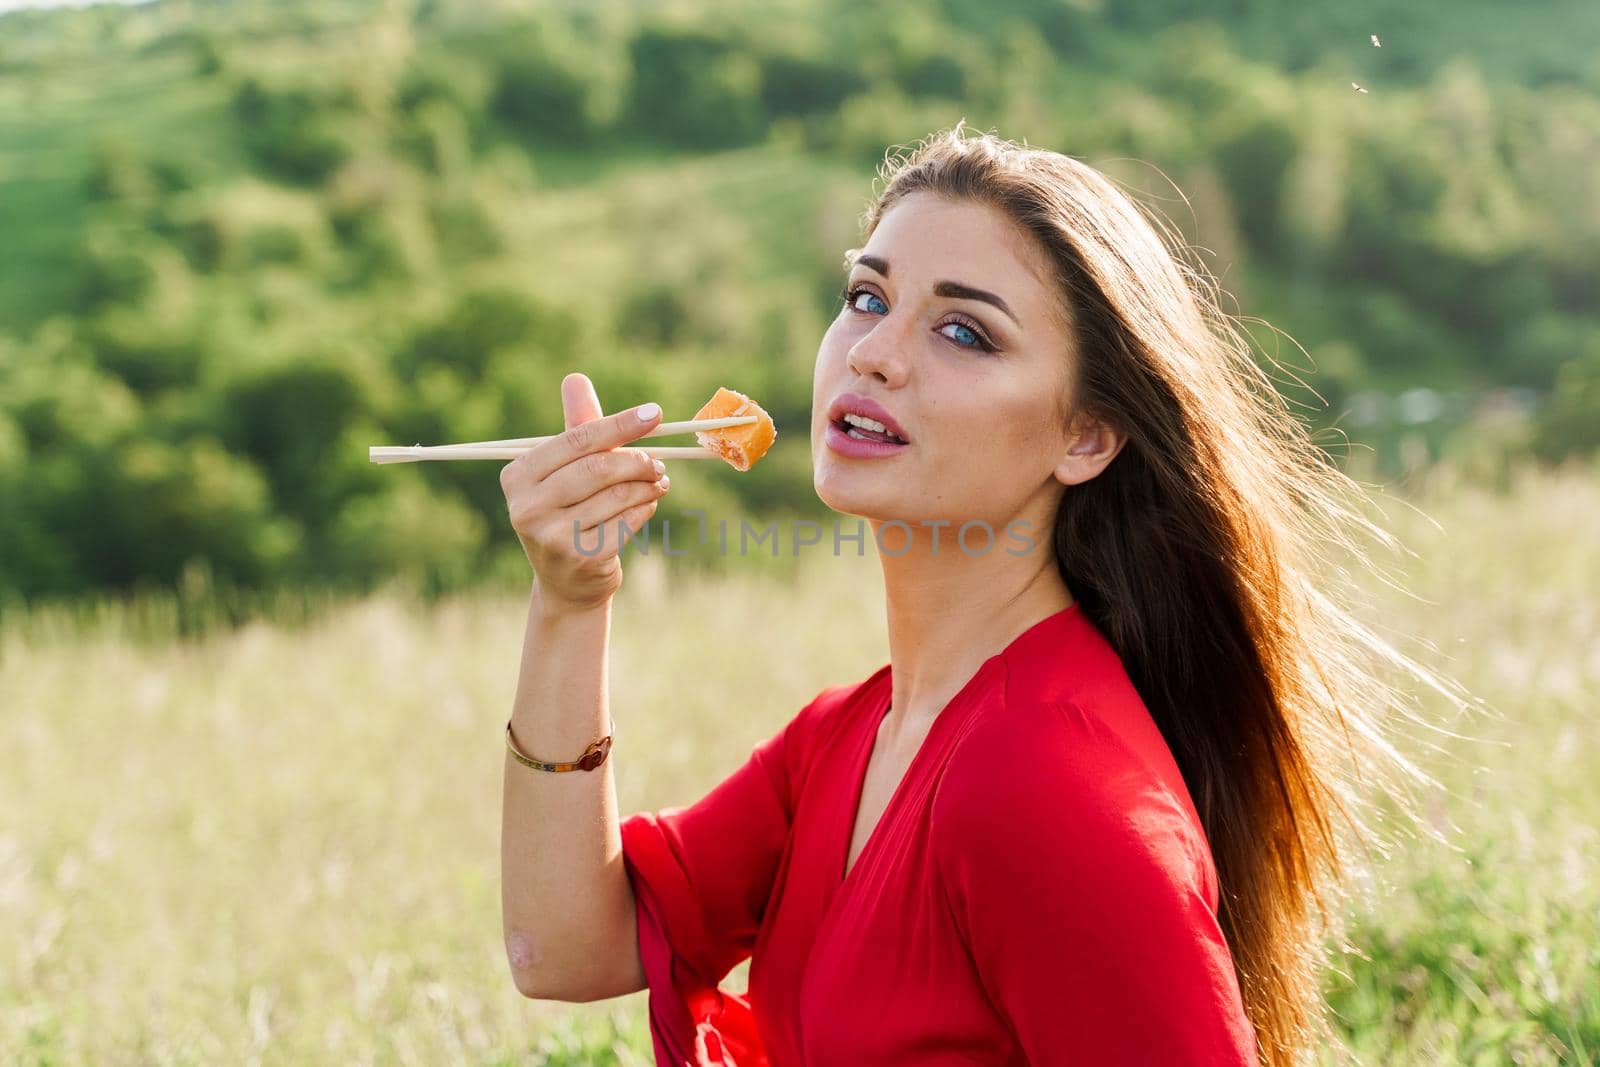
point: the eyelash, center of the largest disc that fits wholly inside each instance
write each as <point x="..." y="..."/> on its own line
<point x="848" y="295"/>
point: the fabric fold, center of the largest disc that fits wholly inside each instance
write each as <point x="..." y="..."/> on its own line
<point x="693" y="1022"/>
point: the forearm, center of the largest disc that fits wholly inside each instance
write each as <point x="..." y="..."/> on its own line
<point x="566" y="903"/>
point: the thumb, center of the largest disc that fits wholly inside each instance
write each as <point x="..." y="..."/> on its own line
<point x="579" y="402"/>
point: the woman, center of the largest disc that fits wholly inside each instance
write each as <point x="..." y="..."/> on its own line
<point x="1082" y="813"/>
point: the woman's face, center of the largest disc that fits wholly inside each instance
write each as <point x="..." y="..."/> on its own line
<point x="983" y="436"/>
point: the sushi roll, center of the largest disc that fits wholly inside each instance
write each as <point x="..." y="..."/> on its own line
<point x="741" y="446"/>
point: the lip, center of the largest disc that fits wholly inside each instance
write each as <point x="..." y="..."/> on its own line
<point x="856" y="448"/>
<point x="856" y="404"/>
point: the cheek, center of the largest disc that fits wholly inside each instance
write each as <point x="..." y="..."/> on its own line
<point x="829" y="368"/>
<point x="1013" y="439"/>
<point x="835" y="343"/>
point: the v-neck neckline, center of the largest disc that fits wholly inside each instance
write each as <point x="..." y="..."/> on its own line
<point x="863" y="762"/>
<point x="840" y="878"/>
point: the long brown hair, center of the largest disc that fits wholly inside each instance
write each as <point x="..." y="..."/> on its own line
<point x="1204" y="553"/>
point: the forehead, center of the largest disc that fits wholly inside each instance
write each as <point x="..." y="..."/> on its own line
<point x="929" y="238"/>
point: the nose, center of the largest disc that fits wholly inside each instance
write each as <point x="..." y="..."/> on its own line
<point x="881" y="354"/>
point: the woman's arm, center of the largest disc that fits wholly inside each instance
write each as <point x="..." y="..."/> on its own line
<point x="568" y="909"/>
<point x="566" y="903"/>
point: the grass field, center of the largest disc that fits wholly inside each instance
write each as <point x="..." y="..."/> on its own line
<point x="279" y="844"/>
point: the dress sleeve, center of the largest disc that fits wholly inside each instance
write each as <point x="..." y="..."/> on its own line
<point x="701" y="876"/>
<point x="1079" y="885"/>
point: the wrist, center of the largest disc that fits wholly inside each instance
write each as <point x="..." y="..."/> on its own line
<point x="555" y="610"/>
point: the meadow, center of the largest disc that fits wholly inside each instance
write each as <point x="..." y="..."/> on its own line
<point x="277" y="842"/>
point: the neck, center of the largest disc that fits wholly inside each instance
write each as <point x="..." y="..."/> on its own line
<point x="949" y="612"/>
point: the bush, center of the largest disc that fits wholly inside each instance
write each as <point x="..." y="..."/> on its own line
<point x="295" y="132"/>
<point x="117" y="172"/>
<point x="274" y="242"/>
<point x="542" y="96"/>
<point x="364" y="204"/>
<point x="869" y="124"/>
<point x="1254" y="159"/>
<point x="199" y="232"/>
<point x="60" y="400"/>
<point x="149" y="355"/>
<point x="140" y="511"/>
<point x="486" y="321"/>
<point x="428" y="534"/>
<point x="653" y="315"/>
<point x="463" y="227"/>
<point x="455" y="81"/>
<point x="1540" y="348"/>
<point x="288" y="417"/>
<point x="208" y="56"/>
<point x="935" y="74"/>
<point x="693" y="90"/>
<point x="1398" y="338"/>
<point x="114" y="275"/>
<point x="1569" y="424"/>
<point x="437" y="137"/>
<point x="793" y="84"/>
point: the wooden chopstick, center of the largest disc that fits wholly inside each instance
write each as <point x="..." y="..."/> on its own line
<point x="666" y="429"/>
<point x="421" y="453"/>
<point x="513" y="447"/>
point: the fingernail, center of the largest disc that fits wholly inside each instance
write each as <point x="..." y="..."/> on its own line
<point x="648" y="412"/>
<point x="661" y="468"/>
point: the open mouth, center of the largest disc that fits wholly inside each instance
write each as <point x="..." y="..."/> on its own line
<point x="864" y="429"/>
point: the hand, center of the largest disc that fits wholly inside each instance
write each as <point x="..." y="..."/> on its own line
<point x="582" y="480"/>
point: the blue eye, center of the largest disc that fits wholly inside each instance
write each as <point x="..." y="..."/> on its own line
<point x="852" y="295"/>
<point x="972" y="337"/>
<point x="975" y="342"/>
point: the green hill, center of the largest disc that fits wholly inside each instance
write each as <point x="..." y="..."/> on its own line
<point x="245" y="241"/>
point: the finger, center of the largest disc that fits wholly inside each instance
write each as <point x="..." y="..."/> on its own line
<point x="579" y="402"/>
<point x="596" y="435"/>
<point x="588" y="475"/>
<point x="603" y="540"/>
<point x="610" y="502"/>
<point x="634" y="518"/>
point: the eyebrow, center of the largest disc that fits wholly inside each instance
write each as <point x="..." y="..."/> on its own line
<point x="955" y="289"/>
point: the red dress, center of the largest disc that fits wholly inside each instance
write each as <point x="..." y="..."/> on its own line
<point x="1039" y="889"/>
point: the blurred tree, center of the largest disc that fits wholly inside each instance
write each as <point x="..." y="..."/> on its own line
<point x="1570" y="423"/>
<point x="793" y="83"/>
<point x="1570" y="419"/>
<point x="117" y="171"/>
<point x="481" y="323"/>
<point x="274" y="243"/>
<point x="112" y="275"/>
<point x="297" y="132"/>
<point x="286" y="417"/>
<point x="544" y="96"/>
<point x="694" y="90"/>
<point x="148" y="353"/>
<point x="1254" y="156"/>
<point x="407" y="528"/>
<point x="1541" y="346"/>
<point x="463" y="225"/>
<point x="653" y="314"/>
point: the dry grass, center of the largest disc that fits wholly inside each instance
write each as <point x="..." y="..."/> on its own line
<point x="280" y="844"/>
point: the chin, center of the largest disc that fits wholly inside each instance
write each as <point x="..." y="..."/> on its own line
<point x="862" y="502"/>
<point x="832" y="491"/>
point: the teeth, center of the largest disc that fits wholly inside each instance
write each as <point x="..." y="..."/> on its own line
<point x="870" y="424"/>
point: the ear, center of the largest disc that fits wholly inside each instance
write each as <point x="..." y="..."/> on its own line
<point x="1089" y="451"/>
